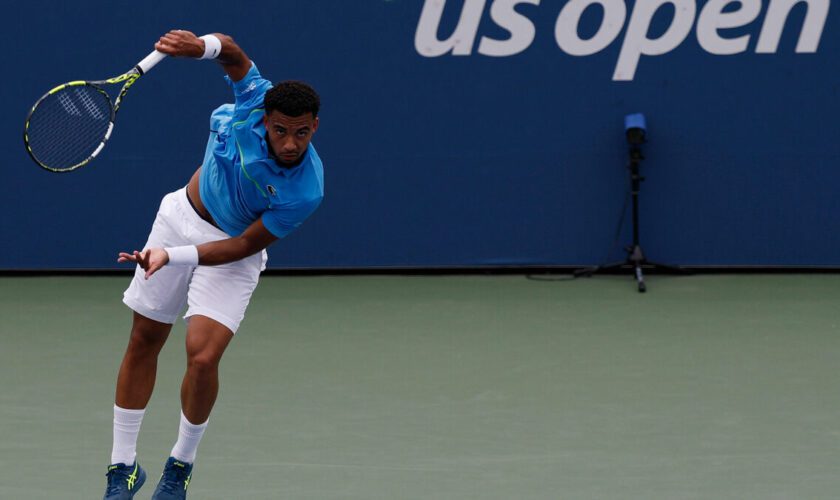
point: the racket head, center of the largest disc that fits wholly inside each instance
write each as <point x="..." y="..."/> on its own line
<point x="68" y="126"/>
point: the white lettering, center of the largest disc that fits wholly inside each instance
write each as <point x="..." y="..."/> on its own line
<point x="636" y="43"/>
<point x="712" y="18"/>
<point x="566" y="29"/>
<point x="461" y="42"/>
<point x="521" y="29"/>
<point x="812" y="28"/>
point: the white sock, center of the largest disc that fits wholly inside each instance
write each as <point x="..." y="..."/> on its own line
<point x="189" y="435"/>
<point x="126" y="428"/>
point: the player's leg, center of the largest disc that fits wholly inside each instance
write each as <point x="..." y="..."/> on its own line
<point x="218" y="297"/>
<point x="207" y="340"/>
<point x="156" y="303"/>
<point x="136" y="378"/>
<point x="135" y="383"/>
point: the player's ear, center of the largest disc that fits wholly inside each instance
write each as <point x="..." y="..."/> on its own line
<point x="315" y="125"/>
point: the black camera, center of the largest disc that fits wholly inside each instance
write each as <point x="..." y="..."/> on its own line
<point x="635" y="129"/>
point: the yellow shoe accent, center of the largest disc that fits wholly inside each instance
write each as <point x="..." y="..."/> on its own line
<point x="133" y="477"/>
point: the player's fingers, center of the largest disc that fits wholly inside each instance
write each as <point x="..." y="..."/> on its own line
<point x="165" y="47"/>
<point x="142" y="259"/>
<point x="169" y="40"/>
<point x="152" y="270"/>
<point x="177" y="36"/>
<point x="175" y="43"/>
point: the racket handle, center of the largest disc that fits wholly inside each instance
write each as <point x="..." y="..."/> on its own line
<point x="150" y="61"/>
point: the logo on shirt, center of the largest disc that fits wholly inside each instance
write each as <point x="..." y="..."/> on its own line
<point x="271" y="190"/>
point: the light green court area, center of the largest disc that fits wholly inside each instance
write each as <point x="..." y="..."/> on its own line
<point x="453" y="387"/>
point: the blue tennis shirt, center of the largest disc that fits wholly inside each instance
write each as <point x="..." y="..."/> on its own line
<point x="240" y="182"/>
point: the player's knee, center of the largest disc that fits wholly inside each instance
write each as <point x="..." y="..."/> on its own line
<point x="204" y="361"/>
<point x="142" y="345"/>
<point x="147" y="339"/>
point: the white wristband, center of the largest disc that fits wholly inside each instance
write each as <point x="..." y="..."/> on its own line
<point x="183" y="256"/>
<point x="212" y="46"/>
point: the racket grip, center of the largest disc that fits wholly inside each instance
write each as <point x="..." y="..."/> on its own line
<point x="150" y="61"/>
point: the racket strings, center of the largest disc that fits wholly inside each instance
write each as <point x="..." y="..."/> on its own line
<point x="67" y="127"/>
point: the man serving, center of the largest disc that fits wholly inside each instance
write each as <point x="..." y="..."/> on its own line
<point x="260" y="179"/>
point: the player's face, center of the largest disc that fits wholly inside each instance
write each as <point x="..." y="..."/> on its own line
<point x="289" y="136"/>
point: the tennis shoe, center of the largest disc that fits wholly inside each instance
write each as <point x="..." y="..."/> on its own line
<point x="174" y="481"/>
<point x="124" y="481"/>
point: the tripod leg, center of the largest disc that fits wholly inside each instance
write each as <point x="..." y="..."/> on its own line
<point x="640" y="278"/>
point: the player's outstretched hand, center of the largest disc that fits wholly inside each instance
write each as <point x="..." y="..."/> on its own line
<point x="180" y="43"/>
<point x="150" y="259"/>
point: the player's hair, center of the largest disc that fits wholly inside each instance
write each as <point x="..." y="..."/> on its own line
<point x="292" y="98"/>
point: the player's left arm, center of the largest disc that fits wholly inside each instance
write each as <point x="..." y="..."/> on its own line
<point x="254" y="239"/>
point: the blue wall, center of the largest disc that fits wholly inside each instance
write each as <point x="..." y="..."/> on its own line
<point x="451" y="160"/>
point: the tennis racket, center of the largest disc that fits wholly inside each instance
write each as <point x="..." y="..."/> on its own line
<point x="69" y="125"/>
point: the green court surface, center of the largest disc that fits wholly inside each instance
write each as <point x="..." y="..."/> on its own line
<point x="448" y="387"/>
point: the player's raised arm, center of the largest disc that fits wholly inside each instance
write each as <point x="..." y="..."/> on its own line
<point x="182" y="43"/>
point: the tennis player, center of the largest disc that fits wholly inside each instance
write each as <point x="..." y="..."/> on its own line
<point x="260" y="179"/>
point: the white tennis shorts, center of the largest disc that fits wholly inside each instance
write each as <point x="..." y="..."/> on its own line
<point x="220" y="292"/>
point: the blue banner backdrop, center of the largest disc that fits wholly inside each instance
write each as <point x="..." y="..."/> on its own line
<point x="460" y="132"/>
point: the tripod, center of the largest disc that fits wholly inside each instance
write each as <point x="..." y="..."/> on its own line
<point x="635" y="257"/>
